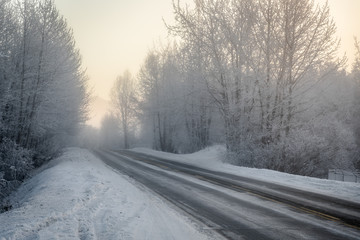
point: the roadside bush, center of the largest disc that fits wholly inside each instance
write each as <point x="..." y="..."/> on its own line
<point x="15" y="163"/>
<point x="302" y="152"/>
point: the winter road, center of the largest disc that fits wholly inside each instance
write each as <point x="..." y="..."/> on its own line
<point x="238" y="207"/>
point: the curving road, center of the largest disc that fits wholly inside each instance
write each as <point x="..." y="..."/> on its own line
<point x="238" y="207"/>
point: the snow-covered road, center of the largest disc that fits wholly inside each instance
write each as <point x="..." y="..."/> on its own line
<point x="235" y="213"/>
<point x="79" y="197"/>
<point x="212" y="158"/>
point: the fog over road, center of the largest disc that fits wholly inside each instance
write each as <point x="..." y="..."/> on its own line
<point x="237" y="207"/>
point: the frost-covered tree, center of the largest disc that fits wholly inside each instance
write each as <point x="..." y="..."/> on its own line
<point x="261" y="58"/>
<point x="47" y="89"/>
<point x="123" y="96"/>
<point x="222" y="30"/>
<point x="43" y="95"/>
<point x="356" y="120"/>
<point x="198" y="109"/>
<point x="8" y="48"/>
<point x="161" y="95"/>
<point x="174" y="99"/>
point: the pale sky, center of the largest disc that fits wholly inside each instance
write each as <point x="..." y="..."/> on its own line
<point x="114" y="35"/>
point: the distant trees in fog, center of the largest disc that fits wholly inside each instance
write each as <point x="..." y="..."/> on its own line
<point x="110" y="132"/>
<point x="42" y="85"/>
<point x="160" y="88"/>
<point x="123" y="97"/>
<point x="356" y="101"/>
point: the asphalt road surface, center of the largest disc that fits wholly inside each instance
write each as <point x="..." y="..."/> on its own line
<point x="237" y="207"/>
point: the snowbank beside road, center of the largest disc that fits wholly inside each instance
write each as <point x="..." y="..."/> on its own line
<point x="79" y="197"/>
<point x="212" y="159"/>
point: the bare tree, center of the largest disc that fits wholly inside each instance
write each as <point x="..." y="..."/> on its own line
<point x="161" y="96"/>
<point x="8" y="46"/>
<point x="124" y="101"/>
<point x="197" y="101"/>
<point x="224" y="36"/>
<point x="261" y="58"/>
<point x="356" y="119"/>
<point x="43" y="92"/>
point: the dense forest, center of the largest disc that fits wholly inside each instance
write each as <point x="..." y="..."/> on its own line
<point x="43" y="92"/>
<point x="262" y="77"/>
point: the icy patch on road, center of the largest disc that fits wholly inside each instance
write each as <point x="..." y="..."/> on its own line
<point x="212" y="158"/>
<point x="79" y="197"/>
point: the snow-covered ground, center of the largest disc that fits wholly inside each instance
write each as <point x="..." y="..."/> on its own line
<point x="212" y="158"/>
<point x="78" y="197"/>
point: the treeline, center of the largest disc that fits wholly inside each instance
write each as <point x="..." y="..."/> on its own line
<point x="262" y="77"/>
<point x="43" y="92"/>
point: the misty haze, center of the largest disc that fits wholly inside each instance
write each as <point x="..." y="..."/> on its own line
<point x="180" y="119"/>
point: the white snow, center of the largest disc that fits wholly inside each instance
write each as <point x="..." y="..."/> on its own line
<point x="212" y="158"/>
<point x="78" y="197"/>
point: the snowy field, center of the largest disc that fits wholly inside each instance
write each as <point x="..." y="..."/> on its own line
<point x="212" y="158"/>
<point x="78" y="197"/>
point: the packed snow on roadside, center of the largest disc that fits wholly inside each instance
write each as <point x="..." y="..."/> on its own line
<point x="78" y="197"/>
<point x="212" y="158"/>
